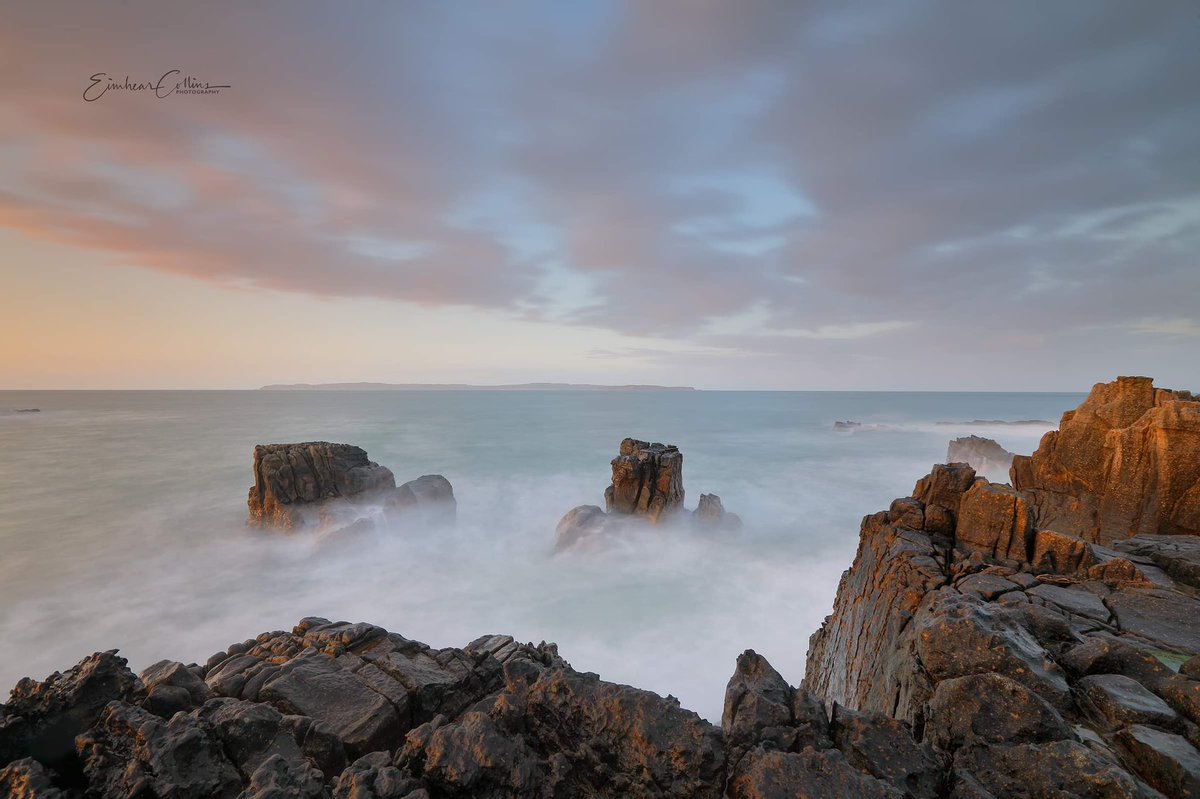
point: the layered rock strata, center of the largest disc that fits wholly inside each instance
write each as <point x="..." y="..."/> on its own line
<point x="335" y="487"/>
<point x="1037" y="660"/>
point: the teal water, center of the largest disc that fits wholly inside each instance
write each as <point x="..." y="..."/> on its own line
<point x="122" y="521"/>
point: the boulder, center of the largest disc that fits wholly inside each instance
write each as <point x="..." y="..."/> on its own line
<point x="990" y="708"/>
<point x="582" y="526"/>
<point x="1167" y="761"/>
<point x="1119" y="701"/>
<point x="42" y="719"/>
<point x="984" y="455"/>
<point x="647" y="480"/>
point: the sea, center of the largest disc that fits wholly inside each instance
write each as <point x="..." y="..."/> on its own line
<point x="123" y="521"/>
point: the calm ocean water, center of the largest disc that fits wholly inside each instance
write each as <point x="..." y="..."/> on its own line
<point x="122" y="521"/>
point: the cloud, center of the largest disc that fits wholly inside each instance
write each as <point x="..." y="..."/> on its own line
<point x="978" y="167"/>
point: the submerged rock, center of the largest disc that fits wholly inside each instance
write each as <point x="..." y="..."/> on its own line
<point x="335" y="487"/>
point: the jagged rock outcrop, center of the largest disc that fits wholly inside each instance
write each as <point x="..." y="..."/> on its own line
<point x="647" y="480"/>
<point x="984" y="455"/>
<point x="1041" y="662"/>
<point x="1122" y="464"/>
<point x="336" y="487"/>
<point x="646" y="488"/>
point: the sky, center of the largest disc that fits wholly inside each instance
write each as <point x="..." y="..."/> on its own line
<point x="730" y="195"/>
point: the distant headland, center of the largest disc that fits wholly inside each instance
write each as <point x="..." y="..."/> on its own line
<point x="465" y="387"/>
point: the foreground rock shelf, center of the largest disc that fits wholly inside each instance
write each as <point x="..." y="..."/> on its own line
<point x="974" y="651"/>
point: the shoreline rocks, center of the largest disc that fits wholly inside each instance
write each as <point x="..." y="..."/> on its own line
<point x="974" y="651"/>
<point x="1052" y="585"/>
<point x="335" y="487"/>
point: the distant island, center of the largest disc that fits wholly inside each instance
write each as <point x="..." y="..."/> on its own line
<point x="464" y="387"/>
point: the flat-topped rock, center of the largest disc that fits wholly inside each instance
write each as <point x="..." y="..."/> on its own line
<point x="335" y="487"/>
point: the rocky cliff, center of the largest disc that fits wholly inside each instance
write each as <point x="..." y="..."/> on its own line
<point x="973" y="652"/>
<point x="990" y="619"/>
<point x="1123" y="463"/>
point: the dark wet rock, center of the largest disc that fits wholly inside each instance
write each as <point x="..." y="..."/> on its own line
<point x="984" y="455"/>
<point x="886" y="749"/>
<point x="1161" y="617"/>
<point x="986" y="586"/>
<point x="172" y="687"/>
<point x="620" y="741"/>
<point x="1120" y="701"/>
<point x="1073" y="599"/>
<point x="989" y="709"/>
<point x="770" y="774"/>
<point x="42" y="719"/>
<point x="28" y="779"/>
<point x="131" y="752"/>
<point x="374" y="777"/>
<point x="1042" y="771"/>
<point x="1165" y="760"/>
<point x="760" y="707"/>
<point x="1177" y="555"/>
<point x="647" y="480"/>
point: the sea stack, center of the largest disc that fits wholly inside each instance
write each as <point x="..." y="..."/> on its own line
<point x="646" y="488"/>
<point x="647" y="480"/>
<point x="335" y="486"/>
<point x="1058" y="599"/>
